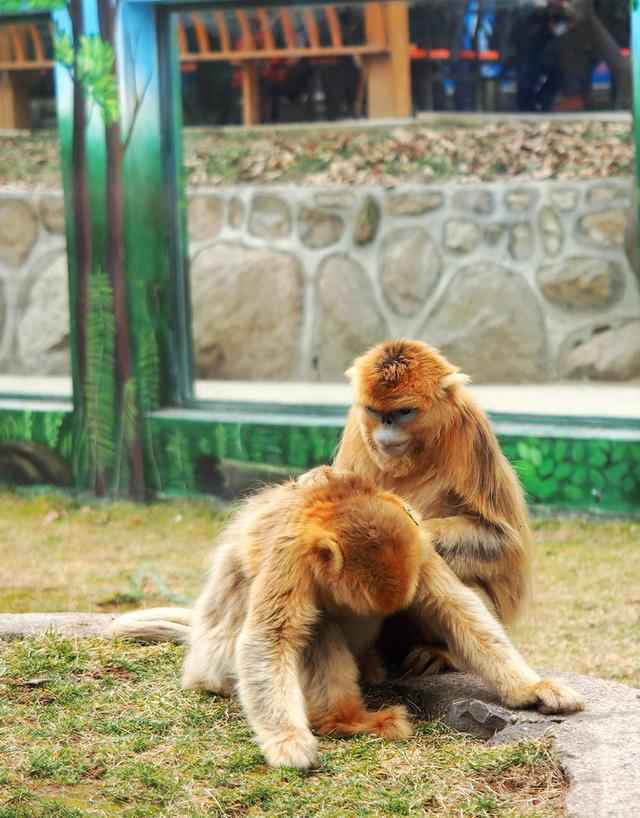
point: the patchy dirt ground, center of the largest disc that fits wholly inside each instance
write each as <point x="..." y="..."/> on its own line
<point x="416" y="153"/>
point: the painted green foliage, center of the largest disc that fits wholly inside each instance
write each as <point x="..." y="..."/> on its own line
<point x="582" y="473"/>
<point x="586" y="474"/>
<point x="115" y="359"/>
<point x="36" y="447"/>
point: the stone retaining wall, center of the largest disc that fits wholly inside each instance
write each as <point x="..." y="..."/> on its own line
<point x="514" y="282"/>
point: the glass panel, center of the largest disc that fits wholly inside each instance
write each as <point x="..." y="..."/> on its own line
<point x="346" y="202"/>
<point x="34" y="311"/>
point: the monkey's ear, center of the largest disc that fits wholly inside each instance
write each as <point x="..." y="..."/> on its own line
<point x="454" y="379"/>
<point x="326" y="557"/>
<point x="350" y="373"/>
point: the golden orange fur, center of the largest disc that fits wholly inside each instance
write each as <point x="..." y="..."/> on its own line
<point x="451" y="469"/>
<point x="301" y="580"/>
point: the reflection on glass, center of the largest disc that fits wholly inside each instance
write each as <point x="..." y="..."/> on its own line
<point x="464" y="55"/>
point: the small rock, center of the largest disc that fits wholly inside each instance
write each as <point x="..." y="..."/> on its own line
<point x="413" y="203"/>
<point x="236" y="212"/>
<point x="605" y="194"/>
<point x="474" y="201"/>
<point x="205" y="216"/>
<point x="52" y="213"/>
<point x="582" y="282"/>
<point x="335" y="200"/>
<point x="349" y="319"/>
<point x="478" y="718"/>
<point x="367" y="221"/>
<point x="18" y="230"/>
<point x="520" y="199"/>
<point x="247" y="312"/>
<point x="461" y="237"/>
<point x="551" y="229"/>
<point x="521" y="241"/>
<point x="564" y="199"/>
<point x="318" y="228"/>
<point x="270" y="217"/>
<point x="410" y="265"/>
<point x="605" y="228"/>
<point x="612" y="354"/>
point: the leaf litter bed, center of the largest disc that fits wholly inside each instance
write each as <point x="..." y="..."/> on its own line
<point x="354" y="155"/>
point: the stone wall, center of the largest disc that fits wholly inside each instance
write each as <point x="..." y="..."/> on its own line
<point x="514" y="282"/>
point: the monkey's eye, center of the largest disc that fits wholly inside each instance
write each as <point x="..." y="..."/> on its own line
<point x="373" y="412"/>
<point x="406" y="415"/>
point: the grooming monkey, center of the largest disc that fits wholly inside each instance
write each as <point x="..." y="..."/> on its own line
<point x="300" y="583"/>
<point x="414" y="429"/>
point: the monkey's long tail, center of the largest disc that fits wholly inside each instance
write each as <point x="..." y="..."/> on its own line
<point x="153" y="625"/>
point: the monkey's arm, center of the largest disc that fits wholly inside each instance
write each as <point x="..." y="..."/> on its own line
<point x="467" y="542"/>
<point x="268" y="657"/>
<point x="480" y="644"/>
<point x="487" y="557"/>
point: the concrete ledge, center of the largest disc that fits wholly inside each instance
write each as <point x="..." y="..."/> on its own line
<point x="21" y="626"/>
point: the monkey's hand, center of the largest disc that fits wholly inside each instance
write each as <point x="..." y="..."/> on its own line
<point x="428" y="660"/>
<point x="297" y="749"/>
<point x="314" y="476"/>
<point x="548" y="696"/>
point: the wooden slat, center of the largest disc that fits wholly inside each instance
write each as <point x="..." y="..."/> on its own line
<point x="312" y="28"/>
<point x="18" y="46"/>
<point x="265" y="28"/>
<point x="36" y="39"/>
<point x="245" y="28"/>
<point x="223" y="31"/>
<point x="250" y="94"/>
<point x="292" y="53"/>
<point x="334" y="26"/>
<point x="183" y="44"/>
<point x="374" y="24"/>
<point x="398" y="21"/>
<point x="288" y="29"/>
<point x="202" y="38"/>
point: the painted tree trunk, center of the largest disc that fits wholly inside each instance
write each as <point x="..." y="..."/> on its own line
<point x="125" y="402"/>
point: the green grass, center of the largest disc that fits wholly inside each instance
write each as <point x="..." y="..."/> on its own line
<point x="107" y="731"/>
<point x="93" y="728"/>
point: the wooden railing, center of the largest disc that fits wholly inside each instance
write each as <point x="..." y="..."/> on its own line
<point x="248" y="39"/>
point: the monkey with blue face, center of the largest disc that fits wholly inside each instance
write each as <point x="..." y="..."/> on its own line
<point x="416" y="430"/>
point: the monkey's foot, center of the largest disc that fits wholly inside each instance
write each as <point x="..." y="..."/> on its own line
<point x="212" y="683"/>
<point x="555" y="697"/>
<point x="548" y="696"/>
<point x="299" y="749"/>
<point x="391" y="722"/>
<point x="351" y="719"/>
<point x="428" y="660"/>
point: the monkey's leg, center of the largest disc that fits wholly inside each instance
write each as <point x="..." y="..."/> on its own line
<point x="268" y="658"/>
<point x="334" y="699"/>
<point x="216" y="622"/>
<point x="480" y="644"/>
<point x="372" y="670"/>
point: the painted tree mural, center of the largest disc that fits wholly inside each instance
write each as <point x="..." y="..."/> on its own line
<point x="108" y="451"/>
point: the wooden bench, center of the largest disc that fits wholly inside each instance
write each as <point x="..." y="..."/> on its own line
<point x="264" y="35"/>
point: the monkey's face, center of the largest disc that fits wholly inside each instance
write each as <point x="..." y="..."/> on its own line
<point x="403" y="397"/>
<point x="388" y="431"/>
